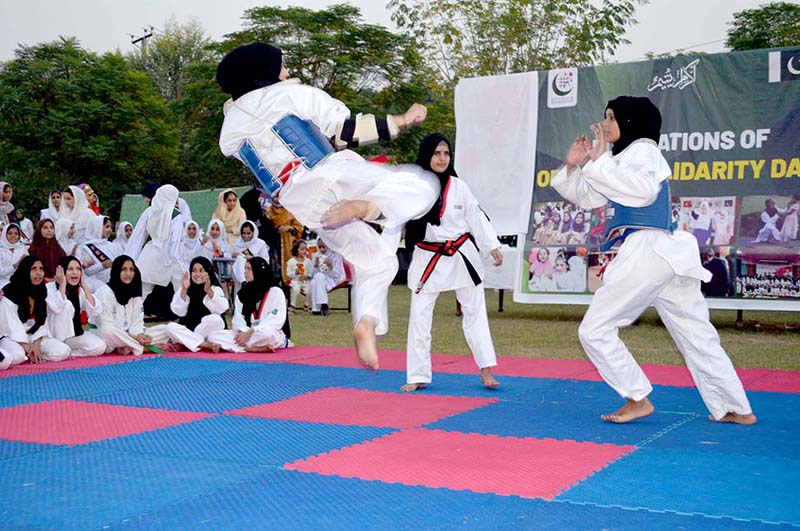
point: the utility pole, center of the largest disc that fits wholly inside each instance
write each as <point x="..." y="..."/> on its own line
<point x="141" y="42"/>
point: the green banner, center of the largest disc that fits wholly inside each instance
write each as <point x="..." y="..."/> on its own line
<point x="730" y="132"/>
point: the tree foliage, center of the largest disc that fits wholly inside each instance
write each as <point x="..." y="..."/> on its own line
<point x="69" y="116"/>
<point x="170" y="54"/>
<point x="770" y="26"/>
<point x="465" y="38"/>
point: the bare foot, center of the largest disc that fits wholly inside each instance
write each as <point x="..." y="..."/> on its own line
<point x="207" y="345"/>
<point x="366" y="342"/>
<point x="736" y="418"/>
<point x="125" y="351"/>
<point x="488" y="380"/>
<point x="265" y="350"/>
<point x="411" y="387"/>
<point x="632" y="410"/>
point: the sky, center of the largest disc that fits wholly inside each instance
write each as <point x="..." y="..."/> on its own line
<point x="107" y="25"/>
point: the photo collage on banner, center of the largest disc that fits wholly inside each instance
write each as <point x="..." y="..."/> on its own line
<point x="735" y="182"/>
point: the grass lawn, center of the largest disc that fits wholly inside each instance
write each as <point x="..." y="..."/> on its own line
<point x="767" y="339"/>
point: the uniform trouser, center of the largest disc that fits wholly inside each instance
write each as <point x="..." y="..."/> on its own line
<point x="85" y="345"/>
<point x="176" y="281"/>
<point x="475" y="325"/>
<point x="13" y="353"/>
<point x="629" y="287"/>
<point x="374" y="264"/>
<point x="115" y="337"/>
<point x="191" y="339"/>
<point x="226" y="339"/>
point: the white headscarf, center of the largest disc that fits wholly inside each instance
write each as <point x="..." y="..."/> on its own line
<point x="256" y="245"/>
<point x="94" y="231"/>
<point x="121" y="238"/>
<point x="161" y="209"/>
<point x="52" y="212"/>
<point x="221" y="240"/>
<point x="5" y="244"/>
<point x="81" y="213"/>
<point x="62" y="235"/>
<point x="5" y="207"/>
<point x="191" y="247"/>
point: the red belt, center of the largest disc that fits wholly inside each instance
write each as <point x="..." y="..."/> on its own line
<point x="447" y="248"/>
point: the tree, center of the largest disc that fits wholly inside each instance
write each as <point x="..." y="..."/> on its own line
<point x="464" y="38"/>
<point x="71" y="116"/>
<point x="170" y="54"/>
<point x="770" y="26"/>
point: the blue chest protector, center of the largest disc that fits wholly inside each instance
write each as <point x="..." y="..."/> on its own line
<point x="622" y="220"/>
<point x="301" y="137"/>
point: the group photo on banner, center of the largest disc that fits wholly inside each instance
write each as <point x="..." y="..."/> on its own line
<point x="731" y="136"/>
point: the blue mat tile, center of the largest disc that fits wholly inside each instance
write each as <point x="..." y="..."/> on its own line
<point x="166" y="368"/>
<point x="308" y="377"/>
<point x="82" y="487"/>
<point x="699" y="483"/>
<point x="449" y="384"/>
<point x="566" y="410"/>
<point x="67" y="384"/>
<point x="293" y="500"/>
<point x="12" y="449"/>
<point x="14" y="399"/>
<point x="244" y="440"/>
<point x="200" y="395"/>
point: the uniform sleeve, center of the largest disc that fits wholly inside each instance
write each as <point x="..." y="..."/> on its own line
<point x="632" y="179"/>
<point x="575" y="188"/>
<point x="319" y="107"/>
<point x="56" y="302"/>
<point x="238" y="324"/>
<point x="138" y="236"/>
<point x="273" y="315"/>
<point x="137" y="318"/>
<point x="105" y="316"/>
<point x="91" y="310"/>
<point x="219" y="303"/>
<point x="179" y="306"/>
<point x="84" y="256"/>
<point x="479" y="225"/>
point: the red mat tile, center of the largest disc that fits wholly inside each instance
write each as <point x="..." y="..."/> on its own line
<point x="531" y="468"/>
<point x="776" y="382"/>
<point x="74" y="422"/>
<point x="358" y="407"/>
<point x="392" y="360"/>
<point x="545" y="368"/>
<point x="288" y="355"/>
<point x="74" y="363"/>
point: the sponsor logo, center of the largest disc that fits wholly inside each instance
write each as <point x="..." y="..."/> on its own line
<point x="680" y="79"/>
<point x="784" y="66"/>
<point x="562" y="88"/>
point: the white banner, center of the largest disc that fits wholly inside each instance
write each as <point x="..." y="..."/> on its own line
<point x="496" y="121"/>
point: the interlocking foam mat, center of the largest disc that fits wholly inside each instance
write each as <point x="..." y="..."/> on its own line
<point x="305" y="439"/>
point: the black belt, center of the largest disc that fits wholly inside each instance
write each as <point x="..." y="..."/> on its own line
<point x="447" y="248"/>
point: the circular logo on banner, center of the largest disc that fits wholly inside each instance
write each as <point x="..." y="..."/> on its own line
<point x="790" y="67"/>
<point x="563" y="83"/>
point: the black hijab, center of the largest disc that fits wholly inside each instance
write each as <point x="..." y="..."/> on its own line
<point x="249" y="67"/>
<point x="21" y="291"/>
<point x="196" y="293"/>
<point x="73" y="295"/>
<point x="415" y="229"/>
<point x="637" y="118"/>
<point x="125" y="292"/>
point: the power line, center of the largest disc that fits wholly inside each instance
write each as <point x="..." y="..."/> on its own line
<point x="684" y="48"/>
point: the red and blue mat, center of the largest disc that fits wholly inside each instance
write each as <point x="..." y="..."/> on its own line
<point x="305" y="439"/>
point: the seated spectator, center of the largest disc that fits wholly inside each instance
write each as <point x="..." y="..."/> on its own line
<point x="259" y="319"/>
<point x="200" y="305"/>
<point x="298" y="269"/>
<point x="327" y="272"/>
<point x="66" y="298"/>
<point x="46" y="247"/>
<point x="121" y="322"/>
